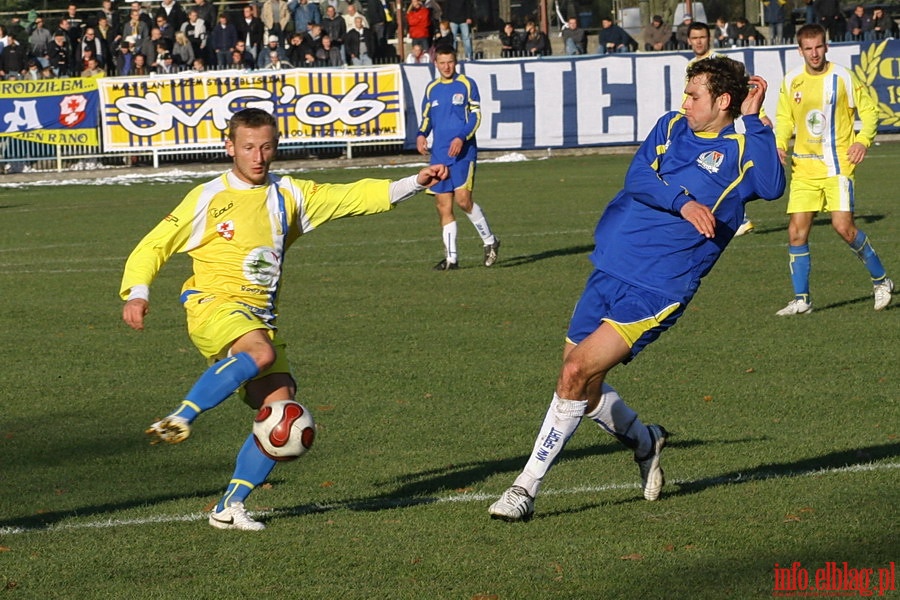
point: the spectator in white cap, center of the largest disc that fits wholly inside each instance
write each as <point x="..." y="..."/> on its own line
<point x="273" y="45"/>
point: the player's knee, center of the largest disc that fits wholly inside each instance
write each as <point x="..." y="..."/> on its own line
<point x="263" y="355"/>
<point x="573" y="378"/>
<point x="847" y="231"/>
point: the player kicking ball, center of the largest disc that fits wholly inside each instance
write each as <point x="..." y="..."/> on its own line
<point x="236" y="228"/>
<point x="682" y="203"/>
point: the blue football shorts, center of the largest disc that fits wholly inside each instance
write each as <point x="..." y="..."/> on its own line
<point x="638" y="315"/>
<point x="462" y="176"/>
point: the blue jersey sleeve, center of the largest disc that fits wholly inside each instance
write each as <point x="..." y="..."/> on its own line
<point x="643" y="181"/>
<point x="767" y="173"/>
<point x="426" y="124"/>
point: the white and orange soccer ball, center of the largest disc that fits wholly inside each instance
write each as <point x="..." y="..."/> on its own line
<point x="284" y="430"/>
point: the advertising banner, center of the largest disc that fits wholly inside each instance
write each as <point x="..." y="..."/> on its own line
<point x="51" y="111"/>
<point x="191" y="110"/>
<point x="565" y="102"/>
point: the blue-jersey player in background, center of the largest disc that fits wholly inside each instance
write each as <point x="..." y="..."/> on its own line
<point x="683" y="201"/>
<point x="451" y="114"/>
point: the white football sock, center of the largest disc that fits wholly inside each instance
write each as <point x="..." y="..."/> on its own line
<point x="620" y="420"/>
<point x="559" y="424"/>
<point x="481" y="225"/>
<point x="449" y="235"/>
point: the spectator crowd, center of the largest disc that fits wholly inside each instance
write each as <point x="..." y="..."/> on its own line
<point x="167" y="36"/>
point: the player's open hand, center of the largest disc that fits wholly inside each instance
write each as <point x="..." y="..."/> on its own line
<point x="856" y="153"/>
<point x="134" y="311"/>
<point x="782" y="156"/>
<point x="755" y="96"/>
<point x="455" y="147"/>
<point x="431" y="174"/>
<point x="700" y="217"/>
<point x="422" y="145"/>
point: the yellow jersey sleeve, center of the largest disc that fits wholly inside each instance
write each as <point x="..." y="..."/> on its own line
<point x="164" y="240"/>
<point x="319" y="203"/>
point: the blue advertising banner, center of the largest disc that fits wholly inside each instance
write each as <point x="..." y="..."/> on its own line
<point x="51" y="111"/>
<point x="564" y="102"/>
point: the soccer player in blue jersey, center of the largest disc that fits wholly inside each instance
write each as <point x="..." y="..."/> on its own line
<point x="451" y="113"/>
<point x="699" y="41"/>
<point x="683" y="200"/>
<point x="820" y="101"/>
<point x="236" y="228"/>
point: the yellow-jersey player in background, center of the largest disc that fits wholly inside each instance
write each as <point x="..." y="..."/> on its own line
<point x="818" y="104"/>
<point x="236" y="228"/>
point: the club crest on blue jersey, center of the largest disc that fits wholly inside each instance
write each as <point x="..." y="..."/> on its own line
<point x="711" y="161"/>
<point x="459" y="99"/>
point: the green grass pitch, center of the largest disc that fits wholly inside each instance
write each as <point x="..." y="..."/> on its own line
<point x="428" y="389"/>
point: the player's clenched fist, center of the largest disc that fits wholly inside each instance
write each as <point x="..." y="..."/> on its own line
<point x="431" y="174"/>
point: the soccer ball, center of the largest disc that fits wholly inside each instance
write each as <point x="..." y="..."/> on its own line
<point x="284" y="430"/>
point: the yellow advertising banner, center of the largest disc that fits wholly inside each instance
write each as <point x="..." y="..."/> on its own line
<point x="191" y="110"/>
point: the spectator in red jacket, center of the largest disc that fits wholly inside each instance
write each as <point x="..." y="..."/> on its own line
<point x="418" y="22"/>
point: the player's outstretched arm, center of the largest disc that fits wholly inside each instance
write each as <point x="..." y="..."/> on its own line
<point x="408" y="187"/>
<point x="134" y="311"/>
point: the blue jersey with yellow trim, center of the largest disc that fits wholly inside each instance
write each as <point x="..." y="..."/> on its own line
<point x="642" y="238"/>
<point x="451" y="109"/>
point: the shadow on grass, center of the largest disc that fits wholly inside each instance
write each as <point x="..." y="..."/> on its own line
<point x="46" y="520"/>
<point x="821" y="221"/>
<point x="463" y="476"/>
<point x="858" y="458"/>
<point x="525" y="259"/>
<point x="421" y="488"/>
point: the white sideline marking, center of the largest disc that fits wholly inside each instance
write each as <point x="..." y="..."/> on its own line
<point x="475" y="497"/>
<point x="176" y="175"/>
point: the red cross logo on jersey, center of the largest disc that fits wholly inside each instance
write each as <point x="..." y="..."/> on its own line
<point x="226" y="229"/>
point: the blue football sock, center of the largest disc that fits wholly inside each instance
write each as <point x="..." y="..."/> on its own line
<point x="251" y="469"/>
<point x="216" y="384"/>
<point x="800" y="266"/>
<point x="866" y="255"/>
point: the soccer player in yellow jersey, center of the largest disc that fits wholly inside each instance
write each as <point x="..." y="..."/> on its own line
<point x="818" y="104"/>
<point x="236" y="228"/>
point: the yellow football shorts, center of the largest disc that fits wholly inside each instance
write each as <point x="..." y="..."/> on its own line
<point x="214" y="324"/>
<point x="830" y="194"/>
